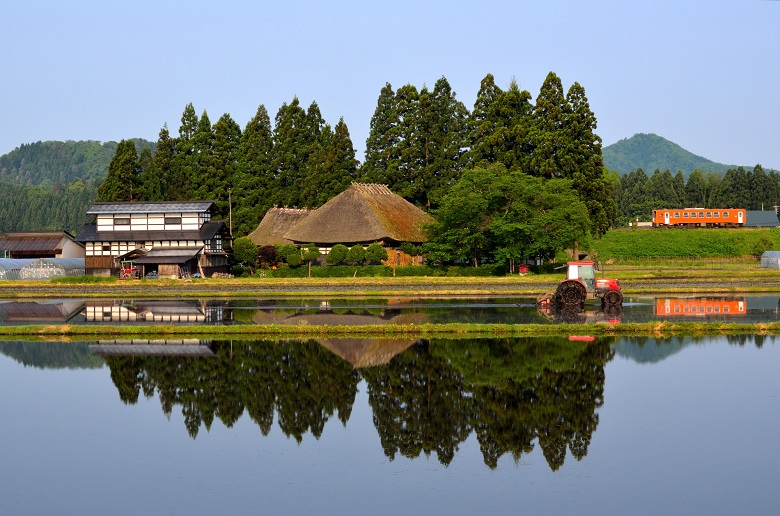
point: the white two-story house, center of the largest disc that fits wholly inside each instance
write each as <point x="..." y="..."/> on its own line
<point x="172" y="239"/>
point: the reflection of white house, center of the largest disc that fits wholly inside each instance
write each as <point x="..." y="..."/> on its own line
<point x="171" y="238"/>
<point x="152" y="311"/>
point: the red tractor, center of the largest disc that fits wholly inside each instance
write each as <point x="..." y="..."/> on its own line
<point x="581" y="284"/>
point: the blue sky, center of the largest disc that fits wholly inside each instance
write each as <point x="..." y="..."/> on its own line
<point x="701" y="74"/>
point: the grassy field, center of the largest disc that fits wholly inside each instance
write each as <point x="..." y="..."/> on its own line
<point x="636" y="276"/>
<point x="248" y="332"/>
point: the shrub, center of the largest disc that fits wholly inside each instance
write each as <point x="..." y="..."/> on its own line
<point x="356" y="254"/>
<point x="337" y="255"/>
<point x="376" y="253"/>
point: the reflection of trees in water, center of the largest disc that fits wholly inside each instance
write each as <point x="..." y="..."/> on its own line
<point x="429" y="398"/>
<point x="509" y="391"/>
<point x="301" y="381"/>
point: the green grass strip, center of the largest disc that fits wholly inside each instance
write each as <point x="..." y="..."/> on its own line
<point x="659" y="329"/>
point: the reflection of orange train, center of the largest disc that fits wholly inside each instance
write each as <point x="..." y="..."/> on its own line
<point x="699" y="217"/>
<point x="701" y="306"/>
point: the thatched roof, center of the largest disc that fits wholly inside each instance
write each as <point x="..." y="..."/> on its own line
<point x="275" y="223"/>
<point x="364" y="213"/>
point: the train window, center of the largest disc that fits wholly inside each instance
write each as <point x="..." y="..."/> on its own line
<point x="676" y="214"/>
<point x="709" y="214"/>
<point x="725" y="214"/>
<point x="725" y="308"/>
<point x="685" y="214"/>
<point x="716" y="214"/>
<point x="701" y="214"/>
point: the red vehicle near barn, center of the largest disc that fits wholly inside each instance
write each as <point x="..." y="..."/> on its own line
<point x="699" y="217"/>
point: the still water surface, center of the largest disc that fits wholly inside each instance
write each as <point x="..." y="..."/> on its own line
<point x="350" y="426"/>
<point x="408" y="310"/>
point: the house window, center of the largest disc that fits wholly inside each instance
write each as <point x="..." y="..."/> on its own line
<point x="122" y="221"/>
<point x="106" y="248"/>
<point x="173" y="220"/>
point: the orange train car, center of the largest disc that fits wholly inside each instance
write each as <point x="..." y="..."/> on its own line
<point x="701" y="306"/>
<point x="699" y="217"/>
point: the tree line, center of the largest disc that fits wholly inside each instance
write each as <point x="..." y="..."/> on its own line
<point x="420" y="144"/>
<point x="637" y="194"/>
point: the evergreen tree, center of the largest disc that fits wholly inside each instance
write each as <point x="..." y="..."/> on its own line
<point x="340" y="168"/>
<point x="184" y="165"/>
<point x="223" y="167"/>
<point x="696" y="190"/>
<point x="253" y="183"/>
<point x="482" y="122"/>
<point x="584" y="163"/>
<point x="679" y="189"/>
<point x="549" y="134"/>
<point x="121" y="183"/>
<point x="382" y="138"/>
<point x="289" y="154"/>
<point x="201" y="161"/>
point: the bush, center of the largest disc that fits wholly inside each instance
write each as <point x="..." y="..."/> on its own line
<point x="337" y="255"/>
<point x="268" y="256"/>
<point x="356" y="254"/>
<point x="83" y="279"/>
<point x="376" y="253"/>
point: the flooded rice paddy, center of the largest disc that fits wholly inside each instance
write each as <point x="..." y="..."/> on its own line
<point x="408" y="310"/>
<point x="355" y="426"/>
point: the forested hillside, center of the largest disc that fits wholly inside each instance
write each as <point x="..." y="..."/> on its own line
<point x="53" y="162"/>
<point x="651" y="152"/>
<point x="37" y="208"/>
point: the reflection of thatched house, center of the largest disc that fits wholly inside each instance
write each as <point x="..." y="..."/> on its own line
<point x="363" y="214"/>
<point x="275" y="223"/>
<point x="367" y="352"/>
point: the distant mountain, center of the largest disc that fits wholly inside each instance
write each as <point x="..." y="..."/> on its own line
<point x="54" y="162"/>
<point x="650" y="152"/>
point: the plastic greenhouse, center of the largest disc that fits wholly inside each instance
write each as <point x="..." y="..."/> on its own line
<point x="770" y="260"/>
<point x="40" y="268"/>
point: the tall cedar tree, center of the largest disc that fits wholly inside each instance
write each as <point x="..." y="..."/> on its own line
<point x="255" y="178"/>
<point x="289" y="153"/>
<point x="548" y="135"/>
<point x="121" y="183"/>
<point x="202" y="160"/>
<point x="584" y="163"/>
<point x="183" y="166"/>
<point x="500" y="126"/>
<point x="223" y="169"/>
<point x="340" y="168"/>
<point x="382" y="138"/>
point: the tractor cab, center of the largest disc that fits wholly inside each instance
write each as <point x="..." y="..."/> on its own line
<point x="583" y="271"/>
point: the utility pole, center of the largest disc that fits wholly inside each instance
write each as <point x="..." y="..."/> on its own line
<point x="230" y="211"/>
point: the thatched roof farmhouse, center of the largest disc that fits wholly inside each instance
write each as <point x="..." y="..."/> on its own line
<point x="275" y="223"/>
<point x="363" y="214"/>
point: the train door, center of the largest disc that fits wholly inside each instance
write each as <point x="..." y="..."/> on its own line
<point x="740" y="217"/>
<point x="666" y="218"/>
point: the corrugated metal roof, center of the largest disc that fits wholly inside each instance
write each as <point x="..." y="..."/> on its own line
<point x="33" y="242"/>
<point x="169" y="255"/>
<point x="151" y="207"/>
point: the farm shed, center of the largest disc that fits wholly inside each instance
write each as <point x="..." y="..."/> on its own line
<point x="770" y="260"/>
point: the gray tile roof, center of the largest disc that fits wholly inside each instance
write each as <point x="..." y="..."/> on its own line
<point x="151" y="207"/>
<point x="207" y="231"/>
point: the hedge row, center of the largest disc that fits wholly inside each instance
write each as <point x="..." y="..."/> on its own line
<point x="368" y="271"/>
